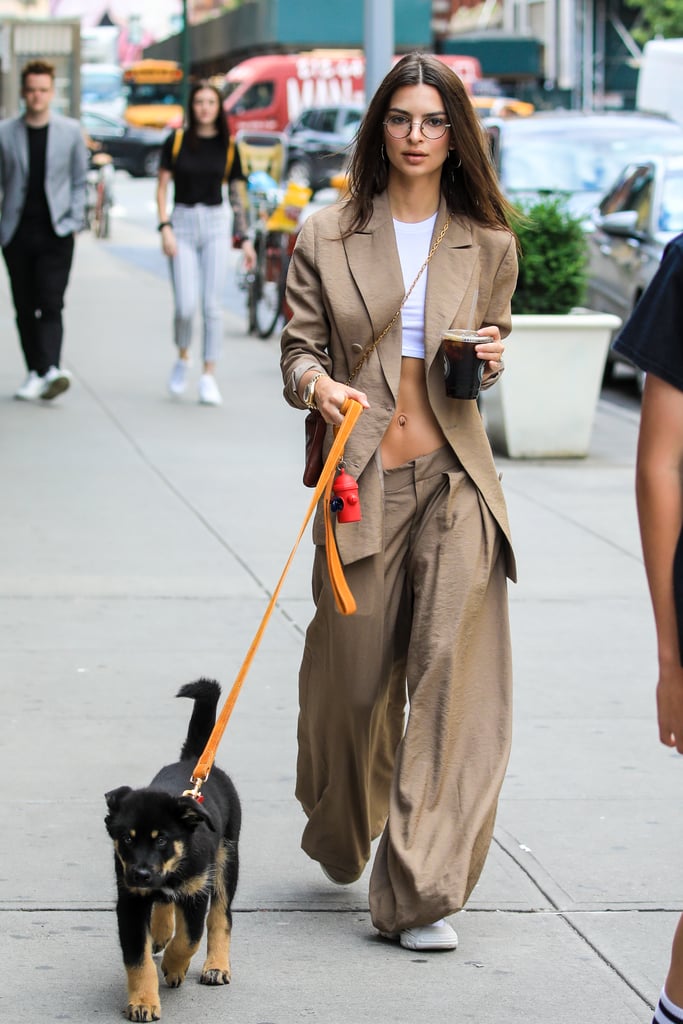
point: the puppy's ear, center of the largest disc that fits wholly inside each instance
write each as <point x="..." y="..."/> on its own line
<point x="192" y="813"/>
<point x="115" y="796"/>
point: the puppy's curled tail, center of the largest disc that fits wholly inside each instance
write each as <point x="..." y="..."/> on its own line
<point x="205" y="693"/>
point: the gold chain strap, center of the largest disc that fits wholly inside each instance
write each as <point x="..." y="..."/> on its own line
<point x="371" y="348"/>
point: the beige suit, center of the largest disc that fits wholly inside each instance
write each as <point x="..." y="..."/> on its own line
<point x="344" y="293"/>
<point x="427" y="567"/>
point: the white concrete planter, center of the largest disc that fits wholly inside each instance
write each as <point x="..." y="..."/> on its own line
<point x="544" y="404"/>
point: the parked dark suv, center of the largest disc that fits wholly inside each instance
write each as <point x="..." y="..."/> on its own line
<point x="318" y="143"/>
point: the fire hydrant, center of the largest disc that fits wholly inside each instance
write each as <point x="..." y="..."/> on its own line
<point x="346" y="502"/>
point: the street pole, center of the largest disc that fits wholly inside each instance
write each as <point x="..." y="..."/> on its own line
<point x="379" y="42"/>
<point x="185" y="58"/>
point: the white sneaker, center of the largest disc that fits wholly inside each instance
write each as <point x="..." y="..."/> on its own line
<point x="336" y="881"/>
<point x="177" y="382"/>
<point x="31" y="388"/>
<point x="55" y="382"/>
<point x="208" y="390"/>
<point x="435" y="936"/>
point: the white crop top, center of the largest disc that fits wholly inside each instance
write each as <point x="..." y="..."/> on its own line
<point x="413" y="241"/>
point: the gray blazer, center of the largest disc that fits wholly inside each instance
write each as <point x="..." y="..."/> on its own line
<point x="66" y="164"/>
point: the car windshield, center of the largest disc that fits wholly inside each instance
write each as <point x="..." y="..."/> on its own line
<point x="98" y="86"/>
<point x="546" y="162"/>
<point x="142" y="93"/>
<point x="348" y="131"/>
<point x="671" y="210"/>
<point x="96" y="122"/>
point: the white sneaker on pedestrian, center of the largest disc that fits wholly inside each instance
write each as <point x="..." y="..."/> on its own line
<point x="177" y="382"/>
<point x="31" y="388"/>
<point x="55" y="382"/>
<point x="437" y="936"/>
<point x="208" y="390"/>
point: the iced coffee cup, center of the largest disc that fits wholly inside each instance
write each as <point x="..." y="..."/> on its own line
<point x="462" y="368"/>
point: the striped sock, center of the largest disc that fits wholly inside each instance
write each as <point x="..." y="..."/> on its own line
<point x="667" y="1012"/>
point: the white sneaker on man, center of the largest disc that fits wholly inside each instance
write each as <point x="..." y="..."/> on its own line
<point x="428" y="937"/>
<point x="55" y="382"/>
<point x="31" y="388"/>
<point x="177" y="382"/>
<point x="208" y="390"/>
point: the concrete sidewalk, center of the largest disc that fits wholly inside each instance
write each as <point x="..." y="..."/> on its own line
<point x="140" y="540"/>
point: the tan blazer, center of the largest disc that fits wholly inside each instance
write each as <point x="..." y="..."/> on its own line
<point x="343" y="293"/>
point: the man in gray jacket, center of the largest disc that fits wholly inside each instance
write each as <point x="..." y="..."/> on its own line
<point x="43" y="165"/>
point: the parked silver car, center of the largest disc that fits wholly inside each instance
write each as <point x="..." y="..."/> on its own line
<point x="318" y="143"/>
<point x="628" y="231"/>
<point x="575" y="154"/>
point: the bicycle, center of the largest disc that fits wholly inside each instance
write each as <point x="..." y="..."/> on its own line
<point x="99" y="194"/>
<point x="274" y="235"/>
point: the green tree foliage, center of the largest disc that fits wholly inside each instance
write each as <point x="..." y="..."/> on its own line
<point x="553" y="260"/>
<point x="657" y="18"/>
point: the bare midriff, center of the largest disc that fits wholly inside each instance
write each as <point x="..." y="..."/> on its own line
<point x="414" y="429"/>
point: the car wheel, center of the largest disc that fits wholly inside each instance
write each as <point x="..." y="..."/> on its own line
<point x="150" y="164"/>
<point x="299" y="171"/>
<point x="608" y="372"/>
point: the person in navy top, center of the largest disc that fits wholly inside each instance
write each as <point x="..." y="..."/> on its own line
<point x="652" y="339"/>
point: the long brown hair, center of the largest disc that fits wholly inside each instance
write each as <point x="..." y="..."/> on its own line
<point x="468" y="180"/>
<point x="220" y="123"/>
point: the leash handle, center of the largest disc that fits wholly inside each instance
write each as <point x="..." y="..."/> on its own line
<point x="351" y="410"/>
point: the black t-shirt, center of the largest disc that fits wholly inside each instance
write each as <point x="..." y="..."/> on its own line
<point x="199" y="169"/>
<point x="652" y="338"/>
<point x="36" y="213"/>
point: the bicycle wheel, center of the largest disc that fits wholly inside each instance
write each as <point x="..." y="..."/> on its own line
<point x="268" y="299"/>
<point x="253" y="288"/>
<point x="100" y="213"/>
<point x="102" y="222"/>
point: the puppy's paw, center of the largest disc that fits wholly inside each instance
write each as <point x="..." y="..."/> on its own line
<point x="174" y="978"/>
<point x="143" y="1011"/>
<point x="162" y="926"/>
<point x="214" y="976"/>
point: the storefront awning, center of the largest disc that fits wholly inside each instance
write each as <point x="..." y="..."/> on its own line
<point x="500" y="55"/>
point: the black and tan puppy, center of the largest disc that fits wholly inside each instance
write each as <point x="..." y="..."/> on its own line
<point x="173" y="853"/>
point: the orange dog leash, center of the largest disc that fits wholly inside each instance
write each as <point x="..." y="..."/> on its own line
<point x="343" y="596"/>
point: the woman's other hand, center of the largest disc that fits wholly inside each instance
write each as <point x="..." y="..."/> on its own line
<point x="169" y="246"/>
<point x="330" y="396"/>
<point x="670" y="707"/>
<point x="249" y="254"/>
<point x="491" y="350"/>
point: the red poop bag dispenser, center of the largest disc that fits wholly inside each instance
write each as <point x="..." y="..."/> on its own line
<point x="346" y="502"/>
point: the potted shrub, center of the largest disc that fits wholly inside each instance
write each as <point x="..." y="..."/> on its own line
<point x="544" y="404"/>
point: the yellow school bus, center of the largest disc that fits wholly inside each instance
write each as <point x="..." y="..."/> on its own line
<point x="153" y="93"/>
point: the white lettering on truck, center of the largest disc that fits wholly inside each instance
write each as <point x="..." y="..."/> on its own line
<point x="320" y="92"/>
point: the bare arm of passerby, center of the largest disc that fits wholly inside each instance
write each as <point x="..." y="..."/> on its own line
<point x="240" y="221"/>
<point x="168" y="241"/>
<point x="659" y="493"/>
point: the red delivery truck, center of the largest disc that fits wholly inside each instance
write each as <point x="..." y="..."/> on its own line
<point x="266" y="93"/>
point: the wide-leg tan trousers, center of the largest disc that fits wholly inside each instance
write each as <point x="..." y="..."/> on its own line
<point x="432" y="628"/>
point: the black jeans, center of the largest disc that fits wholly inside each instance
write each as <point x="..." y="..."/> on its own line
<point x="39" y="262"/>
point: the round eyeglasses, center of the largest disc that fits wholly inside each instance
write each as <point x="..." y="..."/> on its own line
<point x="433" y="127"/>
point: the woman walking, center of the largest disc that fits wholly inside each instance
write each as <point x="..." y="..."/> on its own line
<point x="196" y="237"/>
<point x="424" y="230"/>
